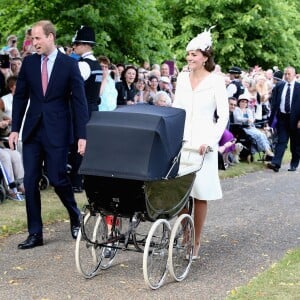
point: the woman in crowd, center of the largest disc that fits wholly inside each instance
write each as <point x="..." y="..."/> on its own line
<point x="108" y="92"/>
<point x="141" y="91"/>
<point x="6" y="100"/>
<point x="153" y="88"/>
<point x="263" y="89"/>
<point x="162" y="99"/>
<point x="126" y="87"/>
<point x="201" y="92"/>
<point x="244" y="116"/>
<point x="11" y="161"/>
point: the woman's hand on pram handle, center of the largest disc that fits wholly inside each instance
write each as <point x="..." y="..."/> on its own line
<point x="204" y="149"/>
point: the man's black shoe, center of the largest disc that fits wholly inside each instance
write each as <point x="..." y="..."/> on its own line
<point x="74" y="231"/>
<point x="32" y="241"/>
<point x="273" y="167"/>
<point x="292" y="169"/>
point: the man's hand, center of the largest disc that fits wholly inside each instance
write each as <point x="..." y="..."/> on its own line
<point x="13" y="140"/>
<point x="81" y="146"/>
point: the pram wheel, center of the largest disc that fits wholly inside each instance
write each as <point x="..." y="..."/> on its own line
<point x="2" y="193"/>
<point x="106" y="254"/>
<point x="139" y="240"/>
<point x="155" y="258"/>
<point x="86" y="248"/>
<point x="44" y="182"/>
<point x="139" y="236"/>
<point x="181" y="247"/>
<point x="190" y="205"/>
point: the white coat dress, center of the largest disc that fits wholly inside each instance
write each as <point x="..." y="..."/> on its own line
<point x="201" y="128"/>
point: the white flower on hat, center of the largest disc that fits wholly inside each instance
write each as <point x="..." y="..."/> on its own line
<point x="202" y="41"/>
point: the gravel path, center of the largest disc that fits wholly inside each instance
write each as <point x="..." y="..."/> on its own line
<point x="250" y="229"/>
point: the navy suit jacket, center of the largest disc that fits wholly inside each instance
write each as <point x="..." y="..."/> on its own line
<point x="63" y="109"/>
<point x="295" y="107"/>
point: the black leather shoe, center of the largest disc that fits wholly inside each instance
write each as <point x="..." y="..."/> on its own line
<point x="74" y="231"/>
<point x="32" y="241"/>
<point x="292" y="169"/>
<point x="273" y="167"/>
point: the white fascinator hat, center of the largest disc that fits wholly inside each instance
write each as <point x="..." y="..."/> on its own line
<point x="203" y="41"/>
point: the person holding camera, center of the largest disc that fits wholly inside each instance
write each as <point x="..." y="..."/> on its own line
<point x="5" y="72"/>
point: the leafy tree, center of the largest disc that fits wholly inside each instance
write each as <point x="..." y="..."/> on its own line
<point x="127" y="31"/>
<point x="247" y="33"/>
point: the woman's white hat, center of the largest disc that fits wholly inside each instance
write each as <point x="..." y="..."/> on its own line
<point x="202" y="41"/>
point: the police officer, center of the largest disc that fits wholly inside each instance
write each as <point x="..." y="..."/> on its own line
<point x="235" y="88"/>
<point x="83" y="43"/>
<point x="91" y="71"/>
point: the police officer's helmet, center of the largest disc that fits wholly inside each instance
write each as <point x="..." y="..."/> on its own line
<point x="85" y="35"/>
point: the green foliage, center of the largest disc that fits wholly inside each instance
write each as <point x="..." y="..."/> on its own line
<point x="247" y="33"/>
<point x="127" y="31"/>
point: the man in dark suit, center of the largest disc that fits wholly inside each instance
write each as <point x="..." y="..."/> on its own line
<point x="286" y="109"/>
<point x="57" y="114"/>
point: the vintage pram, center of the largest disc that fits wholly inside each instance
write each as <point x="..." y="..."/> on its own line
<point x="131" y="173"/>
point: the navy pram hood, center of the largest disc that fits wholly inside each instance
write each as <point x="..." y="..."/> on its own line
<point x="134" y="142"/>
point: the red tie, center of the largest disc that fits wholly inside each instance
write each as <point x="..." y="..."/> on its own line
<point x="44" y="75"/>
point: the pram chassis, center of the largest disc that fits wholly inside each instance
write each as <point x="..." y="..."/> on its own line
<point x="164" y="248"/>
<point x="134" y="176"/>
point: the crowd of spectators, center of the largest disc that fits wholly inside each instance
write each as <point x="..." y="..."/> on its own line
<point x="249" y="91"/>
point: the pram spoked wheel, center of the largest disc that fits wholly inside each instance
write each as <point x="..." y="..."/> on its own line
<point x="106" y="254"/>
<point x="155" y="258"/>
<point x="181" y="247"/>
<point x="44" y="182"/>
<point x="86" y="248"/>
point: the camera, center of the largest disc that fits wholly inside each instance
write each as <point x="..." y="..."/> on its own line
<point x="4" y="61"/>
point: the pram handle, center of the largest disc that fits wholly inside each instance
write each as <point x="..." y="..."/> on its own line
<point x="176" y="158"/>
<point x="207" y="150"/>
<point x="174" y="162"/>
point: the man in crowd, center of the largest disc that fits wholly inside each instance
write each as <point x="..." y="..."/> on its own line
<point x="286" y="108"/>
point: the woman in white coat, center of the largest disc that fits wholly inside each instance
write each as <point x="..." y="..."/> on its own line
<point x="201" y="93"/>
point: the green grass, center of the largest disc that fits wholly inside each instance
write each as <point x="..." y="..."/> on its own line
<point x="241" y="169"/>
<point x="281" y="281"/>
<point x="13" y="214"/>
